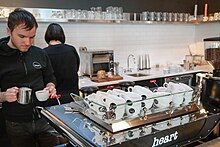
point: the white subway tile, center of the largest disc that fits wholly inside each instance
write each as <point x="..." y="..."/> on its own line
<point x="164" y="42"/>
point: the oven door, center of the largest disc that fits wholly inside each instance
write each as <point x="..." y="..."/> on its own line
<point x="100" y="66"/>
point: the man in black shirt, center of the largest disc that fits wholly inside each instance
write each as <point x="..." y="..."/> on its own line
<point x="24" y="65"/>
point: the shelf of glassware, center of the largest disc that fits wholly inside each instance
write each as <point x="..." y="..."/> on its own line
<point x="118" y="21"/>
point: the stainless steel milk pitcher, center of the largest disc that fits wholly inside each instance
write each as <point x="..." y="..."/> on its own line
<point x="24" y="95"/>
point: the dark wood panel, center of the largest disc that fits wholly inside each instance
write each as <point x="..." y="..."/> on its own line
<point x="213" y="6"/>
<point x="128" y="5"/>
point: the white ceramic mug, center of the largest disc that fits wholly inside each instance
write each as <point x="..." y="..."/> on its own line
<point x="93" y="101"/>
<point x="162" y="99"/>
<point x="140" y="90"/>
<point x="148" y="103"/>
<point x="161" y="89"/>
<point x="111" y="101"/>
<point x="178" y="94"/>
<point x="188" y="97"/>
<point x="185" y="87"/>
<point x="42" y="95"/>
<point x="188" y="94"/>
<point x="182" y="95"/>
<point x="133" y="108"/>
<point x="178" y="99"/>
<point x="116" y="92"/>
<point x="173" y="87"/>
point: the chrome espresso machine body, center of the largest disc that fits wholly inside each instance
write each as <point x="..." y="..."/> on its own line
<point x="144" y="122"/>
<point x="140" y="117"/>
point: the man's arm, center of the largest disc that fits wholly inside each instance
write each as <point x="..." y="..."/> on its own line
<point x="10" y="95"/>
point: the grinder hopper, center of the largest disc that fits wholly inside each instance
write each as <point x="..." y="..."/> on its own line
<point x="212" y="54"/>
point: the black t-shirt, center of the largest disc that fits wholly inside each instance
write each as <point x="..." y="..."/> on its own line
<point x="65" y="61"/>
<point x="24" y="69"/>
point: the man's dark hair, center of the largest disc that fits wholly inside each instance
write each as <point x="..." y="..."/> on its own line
<point x="21" y="16"/>
<point x="54" y="32"/>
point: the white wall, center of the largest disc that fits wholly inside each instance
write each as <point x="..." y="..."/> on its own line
<point x="163" y="42"/>
<point x="207" y="30"/>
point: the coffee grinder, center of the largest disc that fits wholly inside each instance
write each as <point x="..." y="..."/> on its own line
<point x="210" y="82"/>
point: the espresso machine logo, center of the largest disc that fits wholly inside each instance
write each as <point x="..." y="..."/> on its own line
<point x="165" y="139"/>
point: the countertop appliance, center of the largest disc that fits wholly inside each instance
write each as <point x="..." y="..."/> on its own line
<point x="210" y="83"/>
<point x="171" y="119"/>
<point x="173" y="125"/>
<point x="94" y="60"/>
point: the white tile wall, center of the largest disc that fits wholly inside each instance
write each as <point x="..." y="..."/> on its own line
<point x="207" y="30"/>
<point x="3" y="29"/>
<point x="163" y="42"/>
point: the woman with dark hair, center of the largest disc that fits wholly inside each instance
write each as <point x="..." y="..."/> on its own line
<point x="65" y="61"/>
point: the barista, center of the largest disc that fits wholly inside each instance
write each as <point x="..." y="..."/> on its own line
<point x="24" y="65"/>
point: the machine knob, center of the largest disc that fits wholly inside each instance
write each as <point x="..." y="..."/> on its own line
<point x="130" y="134"/>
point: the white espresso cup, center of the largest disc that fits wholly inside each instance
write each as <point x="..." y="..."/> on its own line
<point x="116" y="103"/>
<point x="42" y="95"/>
<point x="162" y="99"/>
<point x="139" y="90"/>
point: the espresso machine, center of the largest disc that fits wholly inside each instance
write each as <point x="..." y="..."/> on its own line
<point x="116" y="118"/>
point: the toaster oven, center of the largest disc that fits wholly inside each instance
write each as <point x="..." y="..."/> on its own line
<point x="94" y="60"/>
